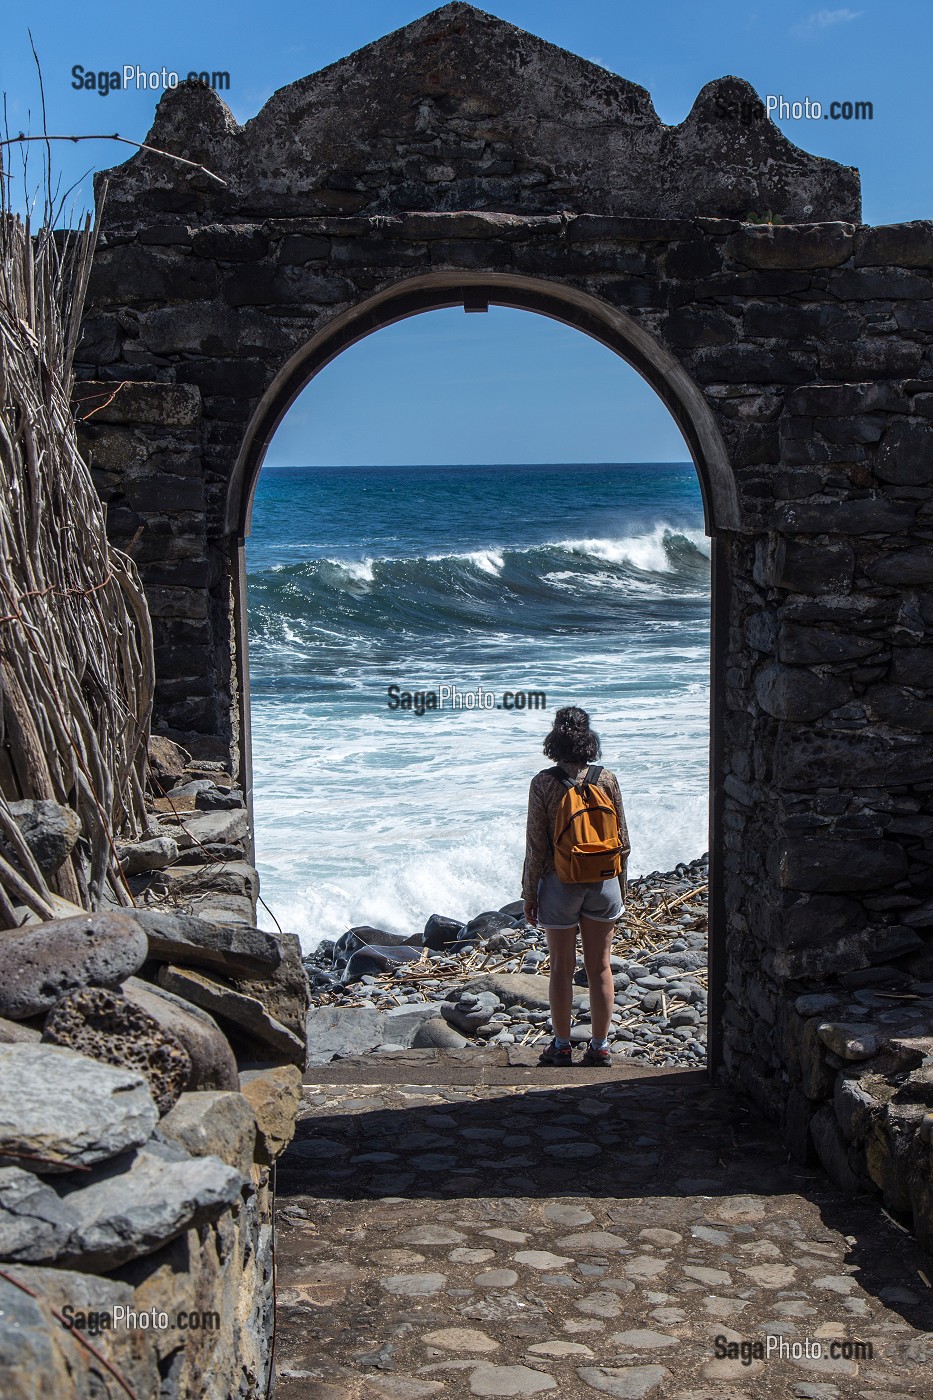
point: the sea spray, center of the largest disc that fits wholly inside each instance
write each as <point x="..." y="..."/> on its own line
<point x="589" y="584"/>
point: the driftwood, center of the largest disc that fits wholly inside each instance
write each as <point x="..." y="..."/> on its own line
<point x="76" y="653"/>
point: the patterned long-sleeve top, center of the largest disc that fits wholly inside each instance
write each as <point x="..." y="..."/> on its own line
<point x="544" y="798"/>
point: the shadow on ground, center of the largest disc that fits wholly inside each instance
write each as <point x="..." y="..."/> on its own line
<point x="622" y="1223"/>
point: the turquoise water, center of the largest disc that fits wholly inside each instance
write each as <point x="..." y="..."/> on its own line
<point x="588" y="583"/>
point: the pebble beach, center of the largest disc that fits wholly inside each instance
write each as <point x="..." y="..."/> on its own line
<point x="485" y="983"/>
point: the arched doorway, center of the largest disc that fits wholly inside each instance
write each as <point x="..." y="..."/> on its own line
<point x="602" y="323"/>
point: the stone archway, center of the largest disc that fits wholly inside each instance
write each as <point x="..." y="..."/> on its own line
<point x="475" y="292"/>
<point x="461" y="160"/>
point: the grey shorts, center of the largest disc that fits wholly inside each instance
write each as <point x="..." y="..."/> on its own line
<point x="560" y="905"/>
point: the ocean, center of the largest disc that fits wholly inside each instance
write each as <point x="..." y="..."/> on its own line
<point x="588" y="584"/>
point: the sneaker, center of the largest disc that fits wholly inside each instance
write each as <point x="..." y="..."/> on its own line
<point x="592" y="1056"/>
<point x="551" y="1055"/>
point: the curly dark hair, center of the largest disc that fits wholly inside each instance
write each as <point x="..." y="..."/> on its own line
<point x="572" y="740"/>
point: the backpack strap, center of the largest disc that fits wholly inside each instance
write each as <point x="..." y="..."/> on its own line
<point x="558" y="773"/>
<point x="593" y="772"/>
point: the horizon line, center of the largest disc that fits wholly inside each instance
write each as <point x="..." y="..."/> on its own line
<point x="369" y="466"/>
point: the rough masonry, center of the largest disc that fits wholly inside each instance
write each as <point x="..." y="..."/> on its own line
<point x="461" y="161"/>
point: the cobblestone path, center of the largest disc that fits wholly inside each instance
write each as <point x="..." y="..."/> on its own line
<point x="504" y="1231"/>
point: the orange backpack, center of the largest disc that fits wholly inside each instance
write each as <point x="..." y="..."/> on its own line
<point x="587" y="844"/>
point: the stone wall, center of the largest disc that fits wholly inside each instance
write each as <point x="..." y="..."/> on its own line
<point x="150" y="1074"/>
<point x="796" y="357"/>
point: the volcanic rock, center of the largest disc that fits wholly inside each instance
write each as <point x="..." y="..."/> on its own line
<point x="35" y="1225"/>
<point x="60" y="1110"/>
<point x="132" y="1205"/>
<point x="284" y="994"/>
<point x="273" y="1095"/>
<point x="246" y="1013"/>
<point x="43" y="962"/>
<point x="49" y="829"/>
<point x="105" y="1026"/>
<point x="233" y="949"/>
<point x="214" y="1124"/>
<point x="213" y="1065"/>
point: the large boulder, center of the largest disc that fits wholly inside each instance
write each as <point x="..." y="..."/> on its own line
<point x="232" y="949"/>
<point x="490" y="922"/>
<point x="363" y="936"/>
<point x="440" y="932"/>
<point x="369" y="959"/>
<point x="132" y="1206"/>
<point x="49" y="829"/>
<point x="43" y="962"/>
<point x="285" y="994"/>
<point x="513" y="988"/>
<point x="60" y="1110"/>
<point x="105" y="1026"/>
<point x="245" y="1015"/>
<point x="213" y="1065"/>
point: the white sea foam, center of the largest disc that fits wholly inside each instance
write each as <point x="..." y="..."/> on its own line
<point x="378" y="822"/>
<point x="648" y="552"/>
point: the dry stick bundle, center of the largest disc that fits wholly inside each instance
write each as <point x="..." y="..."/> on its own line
<point x="76" y="652"/>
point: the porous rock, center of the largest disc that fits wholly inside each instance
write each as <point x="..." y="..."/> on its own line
<point x="43" y="962"/>
<point x="213" y="1065"/>
<point x="68" y="1110"/>
<point x="105" y="1026"/>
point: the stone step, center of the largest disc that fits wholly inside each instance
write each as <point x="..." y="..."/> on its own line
<point x="506" y="1064"/>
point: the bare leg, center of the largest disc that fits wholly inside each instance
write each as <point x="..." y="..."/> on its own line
<point x="596" y="937"/>
<point x="562" y="946"/>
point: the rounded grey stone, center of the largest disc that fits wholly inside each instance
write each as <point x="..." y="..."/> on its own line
<point x="43" y="962"/>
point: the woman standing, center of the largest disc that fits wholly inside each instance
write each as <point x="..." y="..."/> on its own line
<point x="576" y="850"/>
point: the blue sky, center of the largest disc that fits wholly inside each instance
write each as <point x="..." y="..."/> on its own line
<point x="535" y="391"/>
